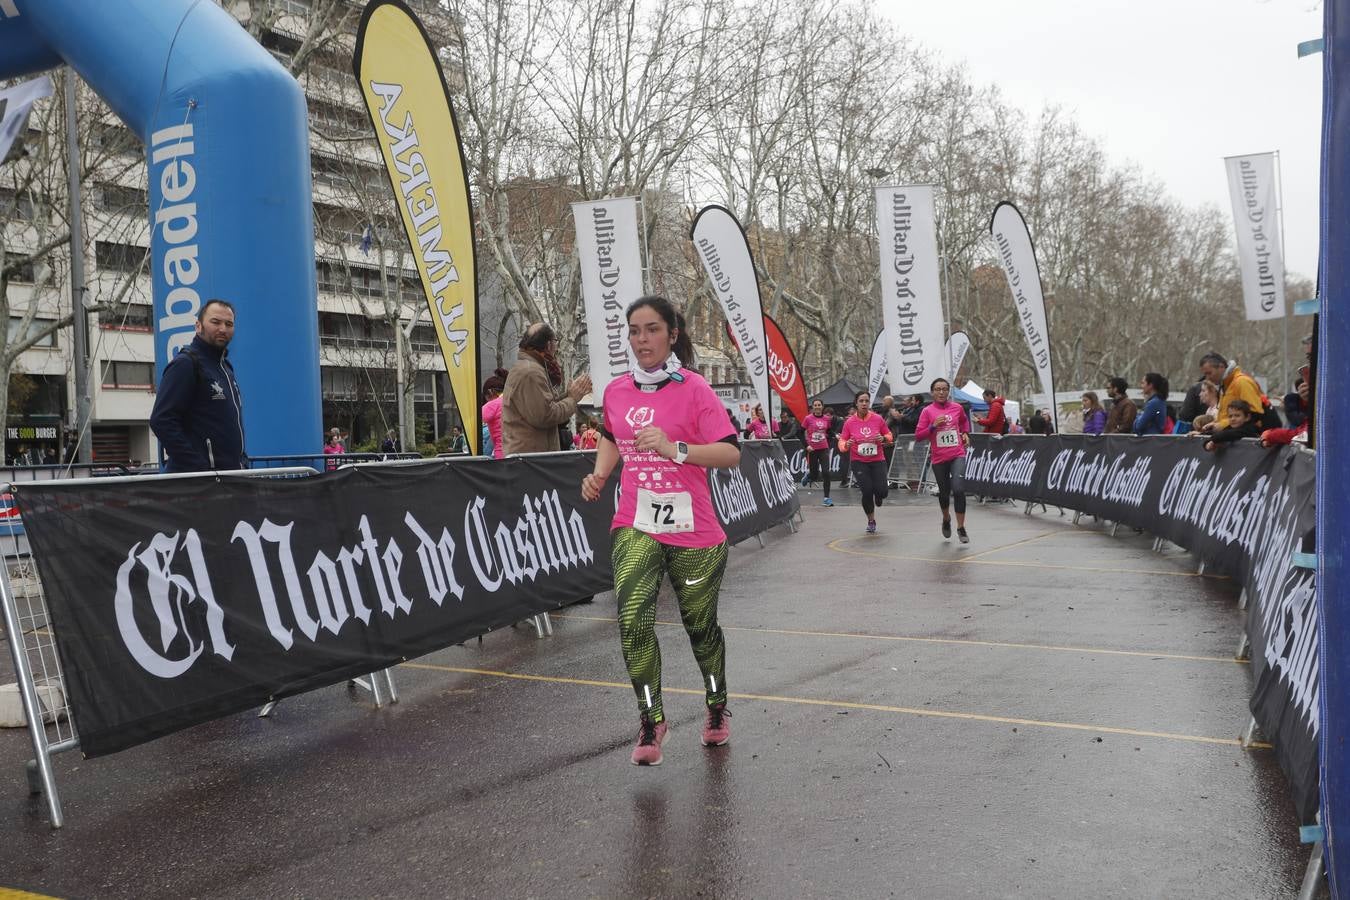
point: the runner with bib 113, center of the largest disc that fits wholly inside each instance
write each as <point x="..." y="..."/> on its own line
<point x="947" y="427"/>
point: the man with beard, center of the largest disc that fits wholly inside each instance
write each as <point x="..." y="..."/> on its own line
<point x="531" y="408"/>
<point x="1120" y="419"/>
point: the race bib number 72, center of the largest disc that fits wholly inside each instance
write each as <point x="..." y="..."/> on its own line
<point x="663" y="513"/>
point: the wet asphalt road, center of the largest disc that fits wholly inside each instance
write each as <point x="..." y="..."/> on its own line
<point x="1047" y="712"/>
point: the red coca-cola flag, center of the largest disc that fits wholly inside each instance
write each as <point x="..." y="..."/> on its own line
<point x="784" y="373"/>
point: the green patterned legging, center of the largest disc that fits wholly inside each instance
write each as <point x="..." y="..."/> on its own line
<point x="696" y="574"/>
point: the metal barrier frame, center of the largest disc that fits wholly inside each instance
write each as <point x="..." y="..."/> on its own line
<point x="32" y="620"/>
<point x="918" y="451"/>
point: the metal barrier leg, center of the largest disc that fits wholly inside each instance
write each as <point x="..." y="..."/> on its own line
<point x="267" y="708"/>
<point x="548" y="623"/>
<point x="1250" y="734"/>
<point x="1078" y="514"/>
<point x="1242" y="599"/>
<point x="375" y="692"/>
<point x="389" y="683"/>
<point x="32" y="709"/>
<point x="1027" y="511"/>
<point x="1244" y="644"/>
<point x="1200" y="569"/>
<point x="760" y="537"/>
<point x="1114" y="527"/>
<point x="1313" y="874"/>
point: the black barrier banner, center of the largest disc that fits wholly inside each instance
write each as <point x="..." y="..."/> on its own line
<point x="1244" y="510"/>
<point x="174" y="602"/>
<point x="756" y="496"/>
<point x="795" y="451"/>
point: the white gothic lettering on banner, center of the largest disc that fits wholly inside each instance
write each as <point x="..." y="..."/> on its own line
<point x="1251" y="187"/>
<point x="610" y="261"/>
<point x="1012" y="241"/>
<point x="725" y="254"/>
<point x="911" y="302"/>
<point x="372" y="577"/>
<point x="955" y="353"/>
<point x="876" y="368"/>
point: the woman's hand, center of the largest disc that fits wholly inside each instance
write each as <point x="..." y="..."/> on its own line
<point x="591" y="486"/>
<point x="653" y="439"/>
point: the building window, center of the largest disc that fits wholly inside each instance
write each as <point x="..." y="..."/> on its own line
<point x="24" y="272"/>
<point x="424" y="339"/>
<point x="15" y="206"/>
<point x="117" y="198"/>
<point x="127" y="317"/>
<point x="128" y="375"/>
<point x="33" y="327"/>
<point x="117" y="138"/>
<point x="330" y="278"/>
<point x="338" y="120"/>
<point x="120" y="257"/>
<point x="338" y="383"/>
<point x="292" y="7"/>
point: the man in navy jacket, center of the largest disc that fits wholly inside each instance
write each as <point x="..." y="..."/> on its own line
<point x="199" y="414"/>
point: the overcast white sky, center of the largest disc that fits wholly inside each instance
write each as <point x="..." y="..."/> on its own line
<point x="1172" y="85"/>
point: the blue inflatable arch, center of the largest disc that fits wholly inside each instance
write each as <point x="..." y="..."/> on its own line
<point x="227" y="155"/>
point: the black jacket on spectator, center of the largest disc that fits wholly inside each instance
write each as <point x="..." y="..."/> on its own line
<point x="1192" y="405"/>
<point x="199" y="413"/>
<point x="1231" y="434"/>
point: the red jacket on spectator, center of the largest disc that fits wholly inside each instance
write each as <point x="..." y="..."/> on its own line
<point x="995" y="421"/>
<point x="1274" y="437"/>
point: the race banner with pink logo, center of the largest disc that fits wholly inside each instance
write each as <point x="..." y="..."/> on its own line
<point x="784" y="373"/>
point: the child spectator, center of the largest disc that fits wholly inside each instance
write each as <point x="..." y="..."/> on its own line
<point x="1241" y="425"/>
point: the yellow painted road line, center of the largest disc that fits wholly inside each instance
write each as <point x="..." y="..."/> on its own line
<point x="835" y="546"/>
<point x="845" y="704"/>
<point x="1033" y="538"/>
<point x="15" y="894"/>
<point x="932" y="640"/>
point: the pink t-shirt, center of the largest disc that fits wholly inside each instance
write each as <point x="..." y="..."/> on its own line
<point x="761" y="429"/>
<point x="668" y="500"/>
<point x="869" y="436"/>
<point x="946" y="439"/>
<point x="492" y="418"/>
<point x="817" y="431"/>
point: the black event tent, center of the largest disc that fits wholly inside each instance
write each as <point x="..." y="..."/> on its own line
<point x="842" y="393"/>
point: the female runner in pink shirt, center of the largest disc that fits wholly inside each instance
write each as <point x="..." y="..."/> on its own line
<point x="863" y="436"/>
<point x="945" y="424"/>
<point x="492" y="411"/>
<point x="669" y="428"/>
<point x="757" y="427"/>
<point x="816" y="430"/>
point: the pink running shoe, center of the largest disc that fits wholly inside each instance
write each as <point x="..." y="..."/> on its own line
<point x="648" y="749"/>
<point x="716" y="729"/>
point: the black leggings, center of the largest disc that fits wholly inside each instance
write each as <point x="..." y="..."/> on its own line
<point x="951" y="480"/>
<point x="871" y="478"/>
<point x="819" y="459"/>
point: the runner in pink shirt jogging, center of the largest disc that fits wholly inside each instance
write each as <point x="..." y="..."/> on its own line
<point x="862" y="438"/>
<point x="945" y="424"/>
<point x="816" y="430"/>
<point x="668" y="427"/>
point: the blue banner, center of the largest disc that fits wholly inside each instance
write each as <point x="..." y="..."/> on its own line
<point x="1333" y="433"/>
<point x="230" y="211"/>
